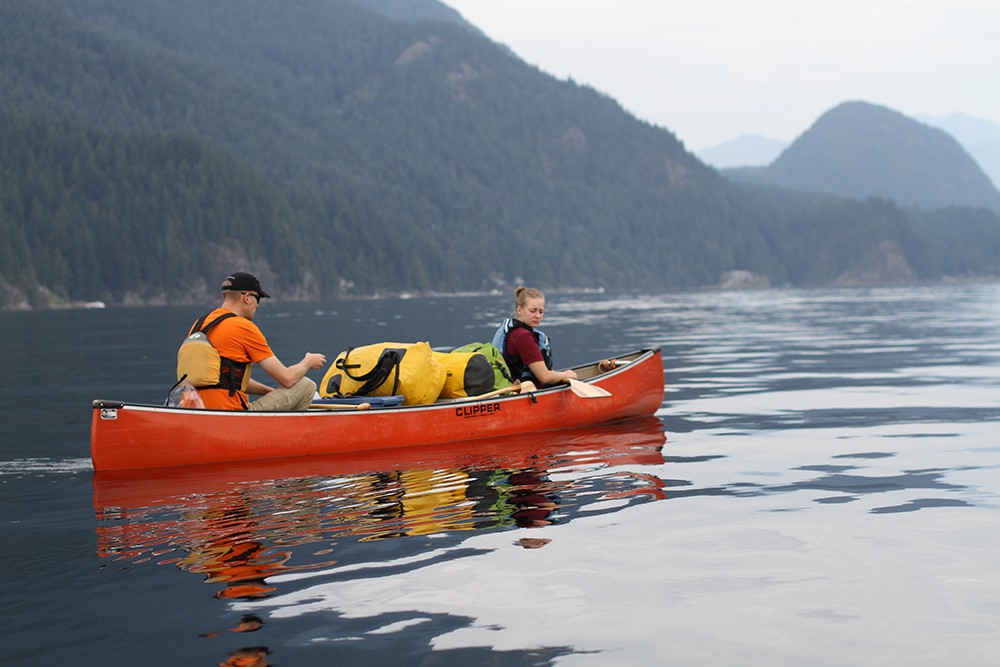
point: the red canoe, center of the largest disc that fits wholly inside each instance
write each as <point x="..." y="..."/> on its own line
<point x="125" y="436"/>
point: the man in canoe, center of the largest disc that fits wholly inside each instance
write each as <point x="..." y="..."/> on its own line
<point x="237" y="344"/>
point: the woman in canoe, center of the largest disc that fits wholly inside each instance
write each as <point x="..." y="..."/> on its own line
<point x="525" y="348"/>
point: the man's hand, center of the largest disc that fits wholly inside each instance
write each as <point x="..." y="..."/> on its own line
<point x="314" y="360"/>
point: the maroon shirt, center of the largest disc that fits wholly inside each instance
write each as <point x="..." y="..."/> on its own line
<point x="522" y="344"/>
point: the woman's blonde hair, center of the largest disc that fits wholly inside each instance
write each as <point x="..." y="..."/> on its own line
<point x="522" y="294"/>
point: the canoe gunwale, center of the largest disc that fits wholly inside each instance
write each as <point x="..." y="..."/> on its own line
<point x="445" y="403"/>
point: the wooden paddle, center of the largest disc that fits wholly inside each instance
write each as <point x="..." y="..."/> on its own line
<point x="340" y="406"/>
<point x="516" y="388"/>
<point x="584" y="390"/>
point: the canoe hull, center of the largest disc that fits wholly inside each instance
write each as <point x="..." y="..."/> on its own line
<point x="126" y="436"/>
<point x="631" y="442"/>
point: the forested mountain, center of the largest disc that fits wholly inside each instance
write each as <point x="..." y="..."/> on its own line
<point x="416" y="11"/>
<point x="861" y="150"/>
<point x="336" y="147"/>
<point x="980" y="138"/>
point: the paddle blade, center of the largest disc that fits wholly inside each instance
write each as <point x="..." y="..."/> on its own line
<point x="584" y="390"/>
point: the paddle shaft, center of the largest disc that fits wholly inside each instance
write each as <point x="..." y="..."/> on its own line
<point x="340" y="406"/>
<point x="519" y="388"/>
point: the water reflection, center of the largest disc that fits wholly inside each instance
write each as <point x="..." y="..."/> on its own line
<point x="253" y="656"/>
<point x="237" y="525"/>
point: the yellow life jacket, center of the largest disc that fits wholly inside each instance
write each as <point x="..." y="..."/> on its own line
<point x="201" y="364"/>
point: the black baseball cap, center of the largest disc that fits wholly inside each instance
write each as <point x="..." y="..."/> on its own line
<point x="243" y="282"/>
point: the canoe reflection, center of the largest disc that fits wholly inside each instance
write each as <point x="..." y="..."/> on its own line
<point x="238" y="524"/>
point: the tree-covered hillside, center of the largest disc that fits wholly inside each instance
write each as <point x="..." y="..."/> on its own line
<point x="333" y="149"/>
<point x="144" y="213"/>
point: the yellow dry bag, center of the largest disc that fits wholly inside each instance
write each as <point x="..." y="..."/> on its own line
<point x="386" y="369"/>
<point x="466" y="374"/>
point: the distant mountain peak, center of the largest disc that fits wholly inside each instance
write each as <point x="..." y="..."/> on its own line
<point x="859" y="150"/>
<point x="413" y="11"/>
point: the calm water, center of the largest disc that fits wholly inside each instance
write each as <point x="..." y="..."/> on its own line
<point x="820" y="487"/>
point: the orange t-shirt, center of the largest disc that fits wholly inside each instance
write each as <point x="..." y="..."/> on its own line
<point x="239" y="339"/>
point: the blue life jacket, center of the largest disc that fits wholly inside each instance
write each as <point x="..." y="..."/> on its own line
<point x="517" y="368"/>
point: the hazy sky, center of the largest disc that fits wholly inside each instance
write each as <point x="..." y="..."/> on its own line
<point x="711" y="70"/>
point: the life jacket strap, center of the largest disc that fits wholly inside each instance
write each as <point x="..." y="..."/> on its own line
<point x="231" y="374"/>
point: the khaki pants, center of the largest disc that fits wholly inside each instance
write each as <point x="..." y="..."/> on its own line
<point x="297" y="397"/>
